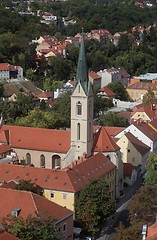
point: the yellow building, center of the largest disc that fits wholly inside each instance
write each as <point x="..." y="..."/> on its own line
<point x="133" y="151"/>
<point x="62" y="186"/>
<point x="137" y="89"/>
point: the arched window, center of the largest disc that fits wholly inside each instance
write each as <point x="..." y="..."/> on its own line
<point x="78" y="131"/>
<point x="56" y="161"/>
<point x="79" y="108"/>
<point x="42" y="161"/>
<point x="28" y="159"/>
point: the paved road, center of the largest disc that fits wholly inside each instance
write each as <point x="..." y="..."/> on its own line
<point x="122" y="213"/>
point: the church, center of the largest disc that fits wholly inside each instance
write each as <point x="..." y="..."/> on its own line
<point x="56" y="149"/>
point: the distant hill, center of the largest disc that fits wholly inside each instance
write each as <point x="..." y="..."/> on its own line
<point x="17" y="87"/>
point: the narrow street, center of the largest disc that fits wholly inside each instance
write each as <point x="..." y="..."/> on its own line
<point x="122" y="213"/>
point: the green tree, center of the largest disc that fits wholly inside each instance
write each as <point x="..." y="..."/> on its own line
<point x="149" y="97"/>
<point x="129" y="233"/>
<point x="94" y="204"/>
<point x="119" y="90"/>
<point x="41" y="119"/>
<point x="101" y="104"/>
<point x="31" y="228"/>
<point x="115" y="120"/>
<point x="145" y="212"/>
<point x="151" y="174"/>
<point x="63" y="108"/>
<point x="27" y="185"/>
<point x="20" y="107"/>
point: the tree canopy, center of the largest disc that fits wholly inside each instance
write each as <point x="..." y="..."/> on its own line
<point x="114" y="119"/>
<point x="149" y="97"/>
<point x="27" y="185"/>
<point x="31" y="228"/>
<point x="151" y="174"/>
<point x="119" y="90"/>
<point x="94" y="204"/>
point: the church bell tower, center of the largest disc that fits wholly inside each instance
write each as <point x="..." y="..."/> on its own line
<point x="82" y="109"/>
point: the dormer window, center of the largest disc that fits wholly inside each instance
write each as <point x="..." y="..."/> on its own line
<point x="79" y="108"/>
<point x="15" y="212"/>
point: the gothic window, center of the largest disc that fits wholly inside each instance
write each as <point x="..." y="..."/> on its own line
<point x="79" y="108"/>
<point x="28" y="159"/>
<point x="78" y="131"/>
<point x="42" y="161"/>
<point x="56" y="161"/>
<point x="79" y="89"/>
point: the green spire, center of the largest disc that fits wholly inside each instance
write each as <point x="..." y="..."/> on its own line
<point x="82" y="74"/>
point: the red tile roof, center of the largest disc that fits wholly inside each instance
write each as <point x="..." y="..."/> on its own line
<point x="45" y="94"/>
<point x="152" y="232"/>
<point x="94" y="75"/>
<point x="146" y="129"/>
<point x="140" y="146"/>
<point x="30" y="204"/>
<point x="113" y="131"/>
<point x="7" y="67"/>
<point x="8" y="236"/>
<point x="9" y="184"/>
<point x="36" y="138"/>
<point x="104" y="143"/>
<point x="150" y="110"/>
<point x="107" y="91"/>
<point x="4" y="148"/>
<point x="142" y="85"/>
<point x="127" y="169"/>
<point x="69" y="179"/>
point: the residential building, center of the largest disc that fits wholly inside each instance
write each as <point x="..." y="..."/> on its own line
<point x="145" y="112"/>
<point x="131" y="173"/>
<point x="24" y="203"/>
<point x="140" y="85"/>
<point x="95" y="80"/>
<point x="10" y="73"/>
<point x="144" y="132"/>
<point x="133" y="151"/>
<point x="105" y="92"/>
<point x="62" y="186"/>
<point x="101" y="35"/>
<point x="113" y="75"/>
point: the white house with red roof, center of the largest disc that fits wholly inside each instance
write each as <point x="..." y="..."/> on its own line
<point x="10" y="73"/>
<point x="113" y="75"/>
<point x="144" y="132"/>
<point x="24" y="203"/>
<point x="106" y="93"/>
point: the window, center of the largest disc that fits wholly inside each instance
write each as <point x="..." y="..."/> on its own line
<point x="128" y="150"/>
<point x="78" y="131"/>
<point x="64" y="227"/>
<point x="64" y="196"/>
<point x="56" y="161"/>
<point x="132" y="94"/>
<point x="52" y="195"/>
<point x="133" y="159"/>
<point x="42" y="161"/>
<point x="28" y="159"/>
<point x="79" y="108"/>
